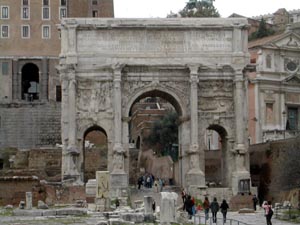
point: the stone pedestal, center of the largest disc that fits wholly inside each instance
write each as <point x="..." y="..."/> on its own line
<point x="195" y="178"/>
<point x="102" y="204"/>
<point x="168" y="207"/>
<point x="237" y="177"/>
<point x="148" y="200"/>
<point x="28" y="200"/>
<point x="118" y="184"/>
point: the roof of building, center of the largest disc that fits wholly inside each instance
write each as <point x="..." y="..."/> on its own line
<point x="271" y="39"/>
<point x="265" y="40"/>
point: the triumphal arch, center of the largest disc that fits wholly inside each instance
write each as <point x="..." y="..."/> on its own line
<point x="106" y="65"/>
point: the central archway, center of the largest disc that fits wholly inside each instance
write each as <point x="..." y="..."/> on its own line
<point x="147" y="109"/>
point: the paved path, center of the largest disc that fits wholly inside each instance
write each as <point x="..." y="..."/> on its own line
<point x="256" y="218"/>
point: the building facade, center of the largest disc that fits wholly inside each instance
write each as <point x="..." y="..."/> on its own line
<point x="273" y="91"/>
<point x="30" y="91"/>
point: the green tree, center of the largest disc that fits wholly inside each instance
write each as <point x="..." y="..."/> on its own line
<point x="198" y="8"/>
<point x="164" y="133"/>
<point x="263" y="31"/>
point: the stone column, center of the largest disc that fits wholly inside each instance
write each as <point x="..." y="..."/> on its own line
<point x="28" y="200"/>
<point x="195" y="177"/>
<point x="44" y="80"/>
<point x="119" y="178"/>
<point x="15" y="79"/>
<point x="240" y="150"/>
<point x="70" y="153"/>
<point x="168" y="207"/>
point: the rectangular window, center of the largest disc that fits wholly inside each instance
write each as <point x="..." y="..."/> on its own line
<point x="58" y="93"/>
<point x="5" y="68"/>
<point x="63" y="2"/>
<point x="95" y="2"/>
<point x="46" y="32"/>
<point x="269" y="113"/>
<point x="25" y="2"/>
<point x="25" y="31"/>
<point x="46" y="13"/>
<point x="45" y="2"/>
<point x="63" y="12"/>
<point x="25" y="13"/>
<point x="95" y="13"/>
<point x="4" y="12"/>
<point x="292" y="119"/>
<point x="4" y="31"/>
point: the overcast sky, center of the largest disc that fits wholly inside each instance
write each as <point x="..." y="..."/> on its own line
<point x="161" y="8"/>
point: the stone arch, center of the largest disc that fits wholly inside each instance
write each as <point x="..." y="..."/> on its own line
<point x="30" y="82"/>
<point x="180" y="107"/>
<point x="223" y="175"/>
<point x="163" y="92"/>
<point x="94" y="152"/>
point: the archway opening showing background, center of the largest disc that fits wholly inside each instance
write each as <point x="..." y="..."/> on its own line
<point x="216" y="156"/>
<point x="95" y="150"/>
<point x="154" y="128"/>
<point x="30" y="82"/>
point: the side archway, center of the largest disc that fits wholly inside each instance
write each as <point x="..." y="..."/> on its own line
<point x="216" y="156"/>
<point x="95" y="152"/>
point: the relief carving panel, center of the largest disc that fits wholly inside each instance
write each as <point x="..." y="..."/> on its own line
<point x="216" y="96"/>
<point x="94" y="97"/>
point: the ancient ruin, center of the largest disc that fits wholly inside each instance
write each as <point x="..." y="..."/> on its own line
<point x="106" y="65"/>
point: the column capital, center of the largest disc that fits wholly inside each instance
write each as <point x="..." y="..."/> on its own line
<point x="193" y="69"/>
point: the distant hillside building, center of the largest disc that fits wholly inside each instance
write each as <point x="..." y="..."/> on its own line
<point x="281" y="18"/>
<point x="30" y="91"/>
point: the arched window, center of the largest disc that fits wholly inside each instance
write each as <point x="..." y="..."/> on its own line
<point x="30" y="82"/>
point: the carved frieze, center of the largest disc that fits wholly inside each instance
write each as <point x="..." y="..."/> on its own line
<point x="216" y="96"/>
<point x="94" y="96"/>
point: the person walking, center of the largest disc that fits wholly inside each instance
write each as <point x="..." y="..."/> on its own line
<point x="188" y="206"/>
<point x="214" y="206"/>
<point x="206" y="208"/>
<point x="268" y="211"/>
<point x="224" y="207"/>
<point x="254" y="200"/>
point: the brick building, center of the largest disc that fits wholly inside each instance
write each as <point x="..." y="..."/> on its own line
<point x="30" y="90"/>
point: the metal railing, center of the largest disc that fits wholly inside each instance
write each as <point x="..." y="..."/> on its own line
<point x="200" y="220"/>
<point x="287" y="213"/>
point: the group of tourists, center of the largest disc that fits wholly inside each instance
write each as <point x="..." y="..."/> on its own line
<point x="191" y="208"/>
<point x="148" y="181"/>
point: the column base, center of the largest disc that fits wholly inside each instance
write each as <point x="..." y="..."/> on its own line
<point x="194" y="179"/>
<point x="241" y="182"/>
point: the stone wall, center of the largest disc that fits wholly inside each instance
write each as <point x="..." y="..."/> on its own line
<point x="13" y="189"/>
<point x="30" y="125"/>
<point x="275" y="168"/>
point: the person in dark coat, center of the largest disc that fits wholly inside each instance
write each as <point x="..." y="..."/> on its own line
<point x="224" y="207"/>
<point x="214" y="206"/>
<point x="206" y="208"/>
<point x="188" y="206"/>
<point x="254" y="200"/>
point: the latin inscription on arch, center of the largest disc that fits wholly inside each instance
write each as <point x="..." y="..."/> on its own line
<point x="140" y="41"/>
